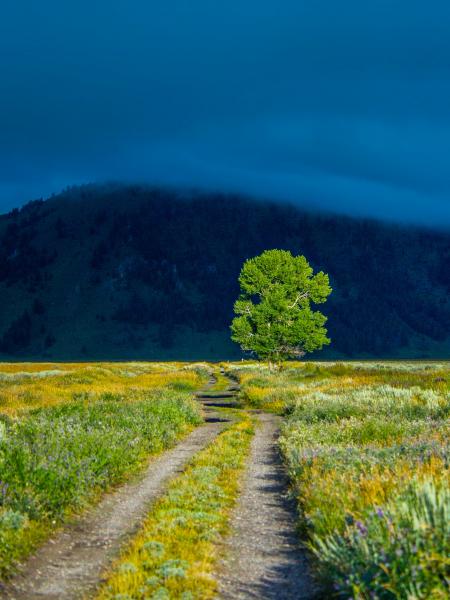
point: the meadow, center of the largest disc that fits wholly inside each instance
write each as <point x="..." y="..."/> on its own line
<point x="365" y="444"/>
<point x="367" y="450"/>
<point x="68" y="432"/>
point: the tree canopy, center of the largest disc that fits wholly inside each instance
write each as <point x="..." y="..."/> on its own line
<point x="274" y="315"/>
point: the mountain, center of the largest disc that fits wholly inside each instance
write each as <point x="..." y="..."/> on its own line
<point x="134" y="272"/>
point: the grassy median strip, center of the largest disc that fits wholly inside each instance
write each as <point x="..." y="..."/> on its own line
<point x="175" y="553"/>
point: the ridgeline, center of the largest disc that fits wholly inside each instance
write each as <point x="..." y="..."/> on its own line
<point x="133" y="272"/>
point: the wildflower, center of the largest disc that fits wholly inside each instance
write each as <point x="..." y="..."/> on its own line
<point x="361" y="527"/>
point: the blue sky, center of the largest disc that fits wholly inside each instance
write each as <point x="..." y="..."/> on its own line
<point x="337" y="105"/>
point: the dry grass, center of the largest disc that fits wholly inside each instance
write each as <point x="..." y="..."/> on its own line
<point x="27" y="386"/>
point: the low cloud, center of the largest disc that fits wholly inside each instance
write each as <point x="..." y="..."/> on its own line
<point x="340" y="107"/>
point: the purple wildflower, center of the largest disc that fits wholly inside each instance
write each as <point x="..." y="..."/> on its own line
<point x="361" y="527"/>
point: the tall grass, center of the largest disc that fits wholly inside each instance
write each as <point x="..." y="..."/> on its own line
<point x="57" y="458"/>
<point x="276" y="391"/>
<point x="368" y="451"/>
<point x="400" y="550"/>
<point x="28" y="386"/>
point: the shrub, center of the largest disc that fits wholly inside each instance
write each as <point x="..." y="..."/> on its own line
<point x="400" y="550"/>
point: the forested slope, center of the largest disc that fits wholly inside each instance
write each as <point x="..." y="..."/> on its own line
<point x="133" y="272"/>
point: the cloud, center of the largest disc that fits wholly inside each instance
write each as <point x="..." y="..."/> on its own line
<point x="344" y="106"/>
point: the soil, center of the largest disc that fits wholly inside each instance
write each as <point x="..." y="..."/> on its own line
<point x="70" y="565"/>
<point x="263" y="556"/>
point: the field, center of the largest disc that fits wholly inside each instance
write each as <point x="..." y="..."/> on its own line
<point x="68" y="432"/>
<point x="366" y="447"/>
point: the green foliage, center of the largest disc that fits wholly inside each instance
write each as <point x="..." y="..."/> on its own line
<point x="274" y="316"/>
<point x="367" y="450"/>
<point x="399" y="551"/>
<point x="57" y="459"/>
<point x="370" y="466"/>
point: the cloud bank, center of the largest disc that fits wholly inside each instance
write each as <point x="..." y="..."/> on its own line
<point x="342" y="106"/>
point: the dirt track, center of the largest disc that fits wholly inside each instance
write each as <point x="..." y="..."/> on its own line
<point x="70" y="565"/>
<point x="264" y="560"/>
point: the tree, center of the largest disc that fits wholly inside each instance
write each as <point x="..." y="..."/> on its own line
<point x="274" y="316"/>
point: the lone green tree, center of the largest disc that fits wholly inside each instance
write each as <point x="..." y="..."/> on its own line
<point x="274" y="316"/>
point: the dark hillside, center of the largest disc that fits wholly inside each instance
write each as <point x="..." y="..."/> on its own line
<point x="131" y="272"/>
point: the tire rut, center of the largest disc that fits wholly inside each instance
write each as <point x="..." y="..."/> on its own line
<point x="263" y="560"/>
<point x="69" y="566"/>
<point x="263" y="557"/>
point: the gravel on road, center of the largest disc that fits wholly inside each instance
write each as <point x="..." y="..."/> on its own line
<point x="263" y="556"/>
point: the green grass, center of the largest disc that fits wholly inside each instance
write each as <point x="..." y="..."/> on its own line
<point x="367" y="450"/>
<point x="400" y="550"/>
<point x="366" y="446"/>
<point x="176" y="551"/>
<point x="57" y="459"/>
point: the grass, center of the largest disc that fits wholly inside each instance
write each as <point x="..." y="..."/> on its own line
<point x="274" y="392"/>
<point x="175" y="554"/>
<point x="368" y="453"/>
<point x="366" y="446"/>
<point x="400" y="550"/>
<point x="26" y="386"/>
<point x="57" y="458"/>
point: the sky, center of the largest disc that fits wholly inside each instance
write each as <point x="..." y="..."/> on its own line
<point x="342" y="106"/>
